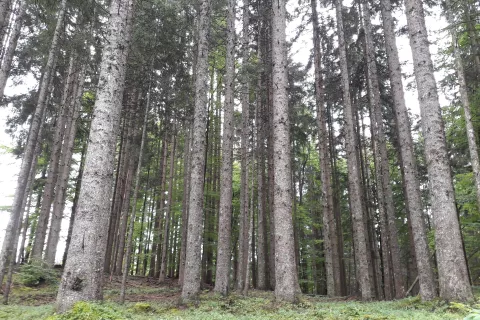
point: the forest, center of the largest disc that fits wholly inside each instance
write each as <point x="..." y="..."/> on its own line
<point x="180" y="148"/>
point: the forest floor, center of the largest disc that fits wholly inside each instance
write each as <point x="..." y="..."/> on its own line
<point x="148" y="299"/>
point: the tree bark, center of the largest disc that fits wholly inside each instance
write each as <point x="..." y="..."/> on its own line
<point x="286" y="278"/>
<point x="330" y="236"/>
<point x="54" y="163"/>
<point x="409" y="167"/>
<point x="354" y="182"/>
<point x="12" y="45"/>
<point x="166" y="229"/>
<point x="134" y="200"/>
<point x="82" y="278"/>
<point x="454" y="281"/>
<point x="62" y="182"/>
<point x="226" y="173"/>
<point x="37" y="122"/>
<point x="192" y="277"/>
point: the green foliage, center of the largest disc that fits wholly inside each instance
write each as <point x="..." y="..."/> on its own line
<point x="92" y="311"/>
<point x="37" y="273"/>
<point x="475" y="315"/>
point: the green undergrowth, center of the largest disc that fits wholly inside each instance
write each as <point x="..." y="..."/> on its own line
<point x="259" y="305"/>
<point x="161" y="302"/>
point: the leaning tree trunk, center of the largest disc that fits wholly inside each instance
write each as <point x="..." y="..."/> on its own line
<point x="286" y="277"/>
<point x="83" y="274"/>
<point x="409" y="168"/>
<point x="11" y="46"/>
<point x="5" y="7"/>
<point x="62" y="182"/>
<point x="37" y="122"/>
<point x="330" y="236"/>
<point x="54" y="163"/>
<point x="453" y="276"/>
<point x="192" y="276"/>
<point x="225" y="215"/>
<point x="354" y="182"/>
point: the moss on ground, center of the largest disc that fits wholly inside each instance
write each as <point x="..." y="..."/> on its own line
<point x="161" y="302"/>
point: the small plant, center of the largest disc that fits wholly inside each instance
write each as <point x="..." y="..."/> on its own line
<point x="475" y="315"/>
<point x="37" y="273"/>
<point x="91" y="311"/>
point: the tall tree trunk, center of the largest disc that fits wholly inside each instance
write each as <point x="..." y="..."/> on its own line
<point x="134" y="200"/>
<point x="12" y="44"/>
<point x="54" y="162"/>
<point x="409" y="167"/>
<point x="245" y="99"/>
<point x="186" y="196"/>
<point x="453" y="276"/>
<point x="390" y="245"/>
<point x="37" y="122"/>
<point x="225" y="214"/>
<point x="463" y="89"/>
<point x="62" y="182"/>
<point x="354" y="182"/>
<point x="83" y="274"/>
<point x="166" y="229"/>
<point x="192" y="277"/>
<point x="330" y="236"/>
<point x="5" y="8"/>
<point x="286" y="278"/>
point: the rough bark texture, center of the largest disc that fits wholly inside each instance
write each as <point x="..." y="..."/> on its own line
<point x="330" y="236"/>
<point x="354" y="182"/>
<point x="37" y="122"/>
<point x="192" y="277"/>
<point x="134" y="201"/>
<point x="82" y="278"/>
<point x="12" y="45"/>
<point x="54" y="164"/>
<point x="452" y="268"/>
<point x="392" y="266"/>
<point x="409" y="168"/>
<point x="225" y="214"/>
<point x="286" y="278"/>
<point x="245" y="99"/>
<point x="64" y="171"/>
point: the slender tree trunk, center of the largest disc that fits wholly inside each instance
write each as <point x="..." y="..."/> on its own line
<point x="409" y="168"/>
<point x="192" y="276"/>
<point x="463" y="89"/>
<point x="286" y="278"/>
<point x="330" y="236"/>
<point x="12" y="45"/>
<point x="62" y="182"/>
<point x="134" y="200"/>
<point x="37" y="122"/>
<point x="225" y="214"/>
<point x="83" y="275"/>
<point x="453" y="276"/>
<point x="166" y="229"/>
<point x="354" y="182"/>
<point x="390" y="245"/>
<point x="186" y="193"/>
<point x="5" y="7"/>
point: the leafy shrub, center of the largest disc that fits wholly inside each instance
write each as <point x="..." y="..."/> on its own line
<point x="37" y="273"/>
<point x="475" y="315"/>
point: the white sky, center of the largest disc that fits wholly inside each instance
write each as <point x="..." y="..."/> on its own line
<point x="9" y="166"/>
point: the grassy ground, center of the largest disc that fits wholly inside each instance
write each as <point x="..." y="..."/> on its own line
<point x="148" y="299"/>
